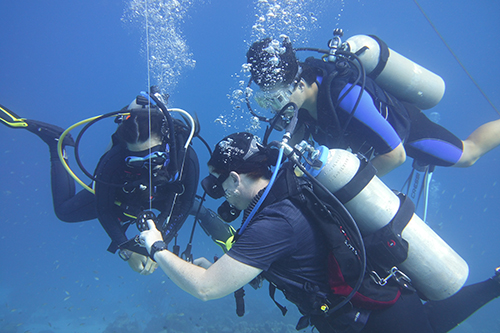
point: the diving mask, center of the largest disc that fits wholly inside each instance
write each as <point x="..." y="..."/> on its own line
<point x="213" y="185"/>
<point x="157" y="158"/>
<point x="276" y="99"/>
<point x="273" y="100"/>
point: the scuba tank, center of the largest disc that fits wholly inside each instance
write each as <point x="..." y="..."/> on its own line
<point x="398" y="75"/>
<point x="435" y="269"/>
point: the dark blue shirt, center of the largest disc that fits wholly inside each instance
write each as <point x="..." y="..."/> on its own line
<point x="291" y="251"/>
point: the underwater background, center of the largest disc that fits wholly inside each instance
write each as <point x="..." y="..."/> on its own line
<point x="65" y="61"/>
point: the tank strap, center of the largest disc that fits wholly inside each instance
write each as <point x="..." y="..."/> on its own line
<point x="386" y="246"/>
<point x="404" y="214"/>
<point x="382" y="58"/>
<point x="357" y="183"/>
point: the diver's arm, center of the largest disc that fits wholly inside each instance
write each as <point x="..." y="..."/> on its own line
<point x="190" y="181"/>
<point x="107" y="216"/>
<point x="375" y="130"/>
<point x="222" y="278"/>
<point x="385" y="163"/>
<point x="110" y="170"/>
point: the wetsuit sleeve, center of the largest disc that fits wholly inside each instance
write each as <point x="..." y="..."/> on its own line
<point x="367" y="122"/>
<point x="110" y="170"/>
<point x="184" y="202"/>
<point x="190" y="180"/>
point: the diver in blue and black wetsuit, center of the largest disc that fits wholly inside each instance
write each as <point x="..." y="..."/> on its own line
<point x="122" y="187"/>
<point x="380" y="126"/>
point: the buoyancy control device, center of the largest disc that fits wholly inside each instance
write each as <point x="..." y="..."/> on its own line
<point x="397" y="74"/>
<point x="435" y="269"/>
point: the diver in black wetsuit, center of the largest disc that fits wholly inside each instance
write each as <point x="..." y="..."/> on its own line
<point x="84" y="205"/>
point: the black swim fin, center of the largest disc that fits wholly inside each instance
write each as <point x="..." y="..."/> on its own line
<point x="11" y="119"/>
<point x="47" y="132"/>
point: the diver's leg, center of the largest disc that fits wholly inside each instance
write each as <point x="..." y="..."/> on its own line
<point x="68" y="206"/>
<point x="48" y="133"/>
<point x="446" y="314"/>
<point x="430" y="143"/>
<point x="406" y="315"/>
<point x="481" y="141"/>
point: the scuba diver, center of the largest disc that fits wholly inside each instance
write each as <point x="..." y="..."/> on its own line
<point x="341" y="107"/>
<point x="121" y="180"/>
<point x="283" y="239"/>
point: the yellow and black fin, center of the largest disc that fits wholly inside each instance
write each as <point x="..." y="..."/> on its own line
<point x="11" y="119"/>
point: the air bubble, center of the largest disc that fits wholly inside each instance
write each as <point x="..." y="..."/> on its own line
<point x="165" y="46"/>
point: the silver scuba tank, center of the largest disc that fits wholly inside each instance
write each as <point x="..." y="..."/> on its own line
<point x="435" y="269"/>
<point x="400" y="76"/>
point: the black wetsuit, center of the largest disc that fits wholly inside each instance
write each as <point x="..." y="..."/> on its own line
<point x="82" y="206"/>
<point x="288" y="246"/>
<point x="71" y="207"/>
<point x="68" y="206"/>
<point x="115" y="202"/>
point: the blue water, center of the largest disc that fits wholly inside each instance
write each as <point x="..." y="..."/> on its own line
<point x="64" y="61"/>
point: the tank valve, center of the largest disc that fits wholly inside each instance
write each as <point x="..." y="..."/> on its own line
<point x="334" y="44"/>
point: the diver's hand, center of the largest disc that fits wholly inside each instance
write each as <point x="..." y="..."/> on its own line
<point x="202" y="262"/>
<point x="149" y="237"/>
<point x="149" y="267"/>
<point x="142" y="264"/>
